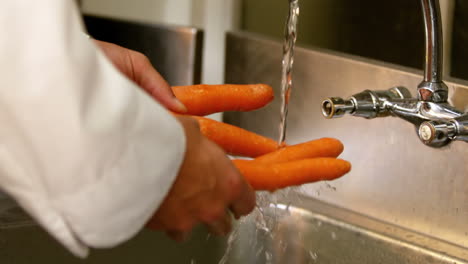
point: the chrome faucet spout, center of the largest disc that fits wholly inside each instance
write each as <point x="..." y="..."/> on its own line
<point x="438" y="123"/>
<point x="434" y="43"/>
<point x="432" y="88"/>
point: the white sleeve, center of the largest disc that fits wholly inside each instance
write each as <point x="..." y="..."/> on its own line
<point x="87" y="153"/>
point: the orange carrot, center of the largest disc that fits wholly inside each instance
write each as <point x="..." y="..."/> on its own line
<point x="207" y="99"/>
<point x="324" y="147"/>
<point x="235" y="140"/>
<point x="271" y="177"/>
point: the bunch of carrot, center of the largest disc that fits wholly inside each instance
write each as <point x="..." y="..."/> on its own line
<point x="273" y="167"/>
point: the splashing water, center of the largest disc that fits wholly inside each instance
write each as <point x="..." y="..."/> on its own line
<point x="313" y="256"/>
<point x="230" y="243"/>
<point x="287" y="64"/>
<point x="262" y="225"/>
<point x="265" y="224"/>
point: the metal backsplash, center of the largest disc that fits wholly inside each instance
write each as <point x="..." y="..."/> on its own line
<point x="395" y="178"/>
<point x="175" y="51"/>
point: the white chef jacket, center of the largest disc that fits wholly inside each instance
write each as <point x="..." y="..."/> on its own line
<point x="82" y="149"/>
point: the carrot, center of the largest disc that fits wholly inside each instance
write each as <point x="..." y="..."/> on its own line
<point x="324" y="147"/>
<point x="271" y="177"/>
<point x="207" y="99"/>
<point x="235" y="140"/>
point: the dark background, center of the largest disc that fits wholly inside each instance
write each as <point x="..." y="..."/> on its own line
<point x="387" y="30"/>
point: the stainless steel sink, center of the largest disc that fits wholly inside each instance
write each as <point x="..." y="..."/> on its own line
<point x="304" y="231"/>
<point x="315" y="232"/>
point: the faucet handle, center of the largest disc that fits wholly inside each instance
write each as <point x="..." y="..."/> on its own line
<point x="436" y="92"/>
<point x="436" y="133"/>
<point x="440" y="133"/>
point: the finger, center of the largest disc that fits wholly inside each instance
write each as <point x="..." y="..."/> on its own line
<point x="244" y="203"/>
<point x="221" y="227"/>
<point x="154" y="224"/>
<point x="152" y="82"/>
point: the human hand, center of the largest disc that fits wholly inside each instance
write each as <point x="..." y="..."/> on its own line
<point x="206" y="188"/>
<point x="138" y="68"/>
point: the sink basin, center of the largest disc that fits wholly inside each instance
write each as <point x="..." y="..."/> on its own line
<point x="304" y="231"/>
<point x="315" y="232"/>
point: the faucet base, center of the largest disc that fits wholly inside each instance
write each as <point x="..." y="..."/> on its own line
<point x="436" y="92"/>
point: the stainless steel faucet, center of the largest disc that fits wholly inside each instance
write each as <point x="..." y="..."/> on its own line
<point x="437" y="122"/>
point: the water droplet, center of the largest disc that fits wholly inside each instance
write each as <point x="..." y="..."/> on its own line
<point x="259" y="251"/>
<point x="313" y="256"/>
<point x="268" y="257"/>
<point x="329" y="186"/>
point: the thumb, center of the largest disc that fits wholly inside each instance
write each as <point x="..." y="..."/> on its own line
<point x="148" y="78"/>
